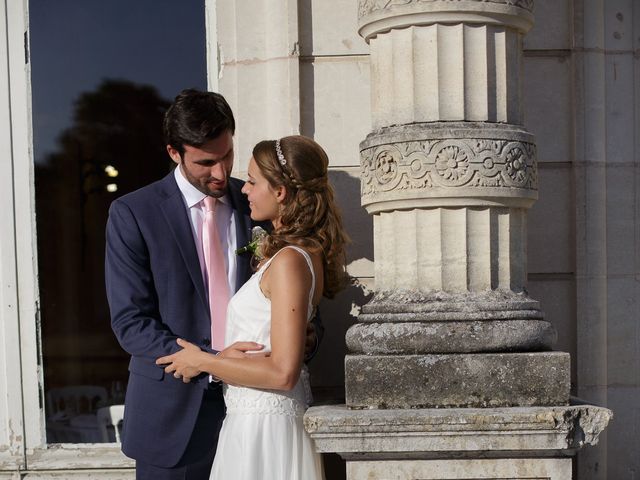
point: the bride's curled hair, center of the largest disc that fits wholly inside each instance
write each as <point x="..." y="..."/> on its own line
<point x="310" y="217"/>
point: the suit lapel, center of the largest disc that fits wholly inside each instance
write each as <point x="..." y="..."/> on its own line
<point x="175" y="213"/>
<point x="242" y="217"/>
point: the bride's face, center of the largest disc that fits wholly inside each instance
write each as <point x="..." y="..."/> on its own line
<point x="264" y="200"/>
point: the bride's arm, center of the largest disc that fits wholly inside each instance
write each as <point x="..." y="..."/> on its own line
<point x="286" y="282"/>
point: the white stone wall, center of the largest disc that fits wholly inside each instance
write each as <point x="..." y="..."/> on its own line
<point x="581" y="100"/>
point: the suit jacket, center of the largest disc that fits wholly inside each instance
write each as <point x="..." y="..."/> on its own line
<point x="156" y="294"/>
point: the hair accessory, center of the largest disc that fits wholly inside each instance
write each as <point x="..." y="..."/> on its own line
<point x="281" y="159"/>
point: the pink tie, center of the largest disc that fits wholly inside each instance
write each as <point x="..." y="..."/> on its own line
<point x="217" y="275"/>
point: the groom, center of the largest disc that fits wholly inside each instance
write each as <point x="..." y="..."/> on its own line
<point x="156" y="286"/>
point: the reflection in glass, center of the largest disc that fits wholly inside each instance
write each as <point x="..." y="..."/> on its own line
<point x="98" y="102"/>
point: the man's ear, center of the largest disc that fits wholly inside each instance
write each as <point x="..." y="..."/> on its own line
<point x="174" y="154"/>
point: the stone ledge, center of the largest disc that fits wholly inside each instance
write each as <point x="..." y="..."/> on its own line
<point x="455" y="432"/>
<point x="460" y="304"/>
<point x="380" y="16"/>
<point x="424" y="131"/>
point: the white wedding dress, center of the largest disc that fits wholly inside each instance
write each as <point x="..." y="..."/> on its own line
<point x="262" y="437"/>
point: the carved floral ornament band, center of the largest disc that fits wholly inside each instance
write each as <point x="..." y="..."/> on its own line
<point x="365" y="7"/>
<point x="449" y="163"/>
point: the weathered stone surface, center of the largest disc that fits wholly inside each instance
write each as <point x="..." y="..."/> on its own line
<point x="435" y="164"/>
<point x="512" y="469"/>
<point x="380" y="16"/>
<point x="451" y="337"/>
<point x="423" y="88"/>
<point x="460" y="380"/>
<point x="417" y="306"/>
<point x="80" y="475"/>
<point x="454" y="432"/>
<point x="474" y="256"/>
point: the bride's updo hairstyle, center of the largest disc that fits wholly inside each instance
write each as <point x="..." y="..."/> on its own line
<point x="310" y="217"/>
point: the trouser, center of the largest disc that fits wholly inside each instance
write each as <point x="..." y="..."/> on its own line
<point x="197" y="459"/>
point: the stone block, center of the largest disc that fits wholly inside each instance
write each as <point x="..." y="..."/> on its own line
<point x="550" y="28"/>
<point x="322" y="32"/>
<point x="556" y="294"/>
<point x="481" y="469"/>
<point x="450" y="337"/>
<point x="335" y="106"/>
<point x="457" y="380"/>
<point x="622" y="184"/>
<point x="550" y="222"/>
<point x="623" y="333"/>
<point x="267" y="105"/>
<point x="621" y="124"/>
<point x="250" y="31"/>
<point x="592" y="345"/>
<point x="547" y="88"/>
<point x="619" y="26"/>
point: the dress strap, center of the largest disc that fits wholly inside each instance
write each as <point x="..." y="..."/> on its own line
<point x="307" y="257"/>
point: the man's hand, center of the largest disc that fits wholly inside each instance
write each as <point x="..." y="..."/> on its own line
<point x="311" y="341"/>
<point x="184" y="363"/>
<point x="240" y="349"/>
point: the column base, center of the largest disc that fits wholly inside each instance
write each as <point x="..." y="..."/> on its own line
<point x="457" y="380"/>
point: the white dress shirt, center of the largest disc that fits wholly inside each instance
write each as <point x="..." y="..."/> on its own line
<point x="192" y="198"/>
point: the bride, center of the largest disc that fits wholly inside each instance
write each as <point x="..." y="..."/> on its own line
<point x="302" y="260"/>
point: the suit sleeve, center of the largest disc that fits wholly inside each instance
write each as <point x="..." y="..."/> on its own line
<point x="319" y="329"/>
<point x="133" y="301"/>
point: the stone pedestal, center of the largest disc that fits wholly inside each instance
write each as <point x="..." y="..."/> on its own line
<point x="533" y="443"/>
<point x="449" y="373"/>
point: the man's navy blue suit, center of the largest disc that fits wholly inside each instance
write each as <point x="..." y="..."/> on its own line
<point x="156" y="294"/>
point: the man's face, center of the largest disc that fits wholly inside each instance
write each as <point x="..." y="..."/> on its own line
<point x="207" y="167"/>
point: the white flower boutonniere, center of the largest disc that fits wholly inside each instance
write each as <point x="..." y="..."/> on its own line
<point x="257" y="235"/>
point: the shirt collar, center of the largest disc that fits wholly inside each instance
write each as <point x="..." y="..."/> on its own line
<point x="191" y="194"/>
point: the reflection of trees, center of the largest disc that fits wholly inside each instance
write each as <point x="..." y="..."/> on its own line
<point x="118" y="124"/>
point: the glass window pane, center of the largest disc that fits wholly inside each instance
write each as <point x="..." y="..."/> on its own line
<point x="103" y="72"/>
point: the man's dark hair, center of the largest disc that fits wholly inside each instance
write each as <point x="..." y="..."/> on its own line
<point x="195" y="118"/>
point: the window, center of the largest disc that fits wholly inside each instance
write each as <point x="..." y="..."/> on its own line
<point x="102" y="75"/>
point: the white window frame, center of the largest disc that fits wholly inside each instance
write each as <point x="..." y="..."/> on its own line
<point x="23" y="445"/>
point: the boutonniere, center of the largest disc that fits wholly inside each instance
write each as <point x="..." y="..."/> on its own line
<point x="257" y="235"/>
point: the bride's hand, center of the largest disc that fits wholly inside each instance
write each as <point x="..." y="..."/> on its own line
<point x="183" y="363"/>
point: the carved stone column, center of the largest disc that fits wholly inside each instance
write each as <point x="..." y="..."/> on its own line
<point x="450" y="373"/>
<point x="448" y="174"/>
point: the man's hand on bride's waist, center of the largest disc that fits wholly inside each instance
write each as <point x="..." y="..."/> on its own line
<point x="243" y="350"/>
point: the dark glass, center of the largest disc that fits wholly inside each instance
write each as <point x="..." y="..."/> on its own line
<point x="103" y="73"/>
